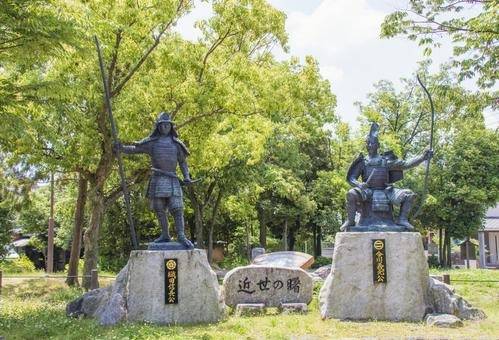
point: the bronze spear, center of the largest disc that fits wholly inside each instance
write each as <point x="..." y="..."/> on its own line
<point x="114" y="132"/>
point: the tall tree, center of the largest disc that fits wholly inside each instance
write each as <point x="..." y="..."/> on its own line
<point x="472" y="26"/>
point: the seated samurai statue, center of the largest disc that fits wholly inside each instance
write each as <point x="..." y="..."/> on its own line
<point x="164" y="191"/>
<point x="375" y="195"/>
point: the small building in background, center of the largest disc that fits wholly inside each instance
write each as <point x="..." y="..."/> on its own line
<point x="488" y="239"/>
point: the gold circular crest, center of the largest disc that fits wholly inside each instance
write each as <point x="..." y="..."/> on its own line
<point x="378" y="244"/>
<point x="170" y="264"/>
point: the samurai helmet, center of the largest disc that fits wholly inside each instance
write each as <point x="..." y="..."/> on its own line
<point x="373" y="133"/>
<point x="164" y="117"/>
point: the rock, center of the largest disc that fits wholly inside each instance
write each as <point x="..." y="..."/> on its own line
<point x="293" y="308"/>
<point x="289" y="259"/>
<point x="138" y="294"/>
<point x="443" y="320"/>
<point x="105" y="304"/>
<point x="114" y="310"/>
<point x="323" y="271"/>
<point x="268" y="285"/>
<point x="444" y="301"/>
<point x="250" y="309"/>
<point x="255" y="252"/>
<point x="199" y="298"/>
<point x="349" y="291"/>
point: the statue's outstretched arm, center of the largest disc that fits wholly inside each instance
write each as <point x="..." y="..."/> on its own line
<point x="412" y="162"/>
<point x="134" y="148"/>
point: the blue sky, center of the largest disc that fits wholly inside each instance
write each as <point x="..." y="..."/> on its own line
<point x="343" y="35"/>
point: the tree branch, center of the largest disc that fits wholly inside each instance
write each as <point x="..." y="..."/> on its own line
<point x="146" y="54"/>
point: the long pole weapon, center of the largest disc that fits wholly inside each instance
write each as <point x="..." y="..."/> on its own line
<point x="114" y="132"/>
<point x="427" y="172"/>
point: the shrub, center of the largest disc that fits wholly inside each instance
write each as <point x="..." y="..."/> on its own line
<point x="21" y="265"/>
<point x="321" y="261"/>
<point x="433" y="262"/>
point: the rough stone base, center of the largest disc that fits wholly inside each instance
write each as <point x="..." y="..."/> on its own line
<point x="444" y="301"/>
<point x="293" y="308"/>
<point x="349" y="292"/>
<point x="443" y="320"/>
<point x="138" y="293"/>
<point x="250" y="309"/>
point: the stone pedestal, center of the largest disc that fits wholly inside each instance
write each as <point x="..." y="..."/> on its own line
<point x="199" y="298"/>
<point x="349" y="291"/>
<point x="139" y="294"/>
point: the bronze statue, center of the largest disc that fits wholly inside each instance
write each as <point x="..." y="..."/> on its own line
<point x="164" y="191"/>
<point x="375" y="195"/>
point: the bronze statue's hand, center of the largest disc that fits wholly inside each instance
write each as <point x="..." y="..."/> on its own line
<point x="366" y="193"/>
<point x="117" y="147"/>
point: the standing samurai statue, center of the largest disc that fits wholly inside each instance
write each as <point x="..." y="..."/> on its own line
<point x="374" y="196"/>
<point x="164" y="191"/>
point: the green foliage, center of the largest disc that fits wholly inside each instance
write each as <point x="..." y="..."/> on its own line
<point x="321" y="261"/>
<point x="233" y="260"/>
<point x="21" y="265"/>
<point x="433" y="262"/>
<point x="472" y="26"/>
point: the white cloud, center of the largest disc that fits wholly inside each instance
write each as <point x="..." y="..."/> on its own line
<point x="334" y="26"/>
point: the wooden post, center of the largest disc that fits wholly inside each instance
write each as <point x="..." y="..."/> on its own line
<point x="446" y="278"/>
<point x="468" y="252"/>
<point x="50" y="243"/>
<point x="94" y="280"/>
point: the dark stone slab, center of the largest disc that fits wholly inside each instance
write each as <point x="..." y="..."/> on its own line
<point x="166" y="246"/>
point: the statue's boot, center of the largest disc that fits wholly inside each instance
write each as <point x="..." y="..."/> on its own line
<point x="405" y="208"/>
<point x="163" y="221"/>
<point x="178" y="216"/>
<point x="350" y="221"/>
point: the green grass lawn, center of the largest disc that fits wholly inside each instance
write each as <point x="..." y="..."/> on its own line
<point x="36" y="310"/>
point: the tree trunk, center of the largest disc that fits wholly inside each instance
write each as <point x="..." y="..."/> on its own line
<point x="248" y="248"/>
<point x="212" y="225"/>
<point x="285" y="235"/>
<point x="440" y="247"/>
<point x="449" y="251"/>
<point x="72" y="278"/>
<point x="319" y="240"/>
<point x="198" y="220"/>
<point x="263" y="228"/>
<point x="91" y="238"/>
<point x="444" y="250"/>
<point x="314" y="231"/>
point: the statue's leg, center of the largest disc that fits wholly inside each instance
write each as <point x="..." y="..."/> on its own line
<point x="353" y="198"/>
<point x="177" y="210"/>
<point x="406" y="198"/>
<point x="159" y="207"/>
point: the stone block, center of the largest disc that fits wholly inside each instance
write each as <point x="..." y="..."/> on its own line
<point x="349" y="291"/>
<point x="293" y="308"/>
<point x="443" y="320"/>
<point x="250" y="309"/>
<point x="199" y="298"/>
<point x="269" y="285"/>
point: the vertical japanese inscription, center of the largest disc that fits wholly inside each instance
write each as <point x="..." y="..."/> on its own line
<point x="171" y="281"/>
<point x="379" y="261"/>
